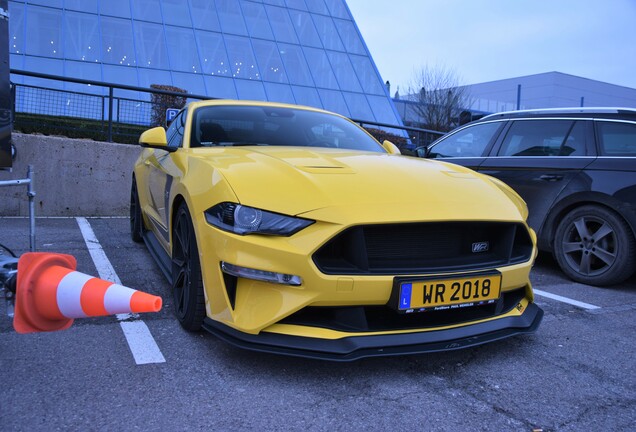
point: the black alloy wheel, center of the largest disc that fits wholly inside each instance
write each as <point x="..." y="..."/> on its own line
<point x="136" y="219"/>
<point x="593" y="245"/>
<point x="187" y="284"/>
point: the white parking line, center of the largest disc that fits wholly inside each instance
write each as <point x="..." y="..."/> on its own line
<point x="565" y="300"/>
<point x="142" y="345"/>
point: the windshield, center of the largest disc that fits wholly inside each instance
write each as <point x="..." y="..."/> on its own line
<point x="276" y="126"/>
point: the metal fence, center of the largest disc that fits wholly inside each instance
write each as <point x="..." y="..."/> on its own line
<point x="119" y="113"/>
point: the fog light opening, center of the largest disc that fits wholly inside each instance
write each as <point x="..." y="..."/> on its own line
<point x="261" y="275"/>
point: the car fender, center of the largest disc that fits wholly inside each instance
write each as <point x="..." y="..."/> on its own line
<point x="200" y="187"/>
<point x="567" y="204"/>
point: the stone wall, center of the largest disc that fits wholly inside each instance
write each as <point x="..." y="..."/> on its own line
<point x="72" y="177"/>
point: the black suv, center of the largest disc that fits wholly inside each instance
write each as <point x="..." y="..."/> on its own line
<point x="575" y="168"/>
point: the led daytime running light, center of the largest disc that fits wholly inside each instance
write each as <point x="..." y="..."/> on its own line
<point x="261" y="275"/>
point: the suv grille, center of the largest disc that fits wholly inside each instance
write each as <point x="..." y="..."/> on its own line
<point x="424" y="248"/>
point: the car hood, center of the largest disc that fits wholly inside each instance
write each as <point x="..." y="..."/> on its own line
<point x="335" y="184"/>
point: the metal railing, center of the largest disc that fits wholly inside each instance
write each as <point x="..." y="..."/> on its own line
<point x="117" y="112"/>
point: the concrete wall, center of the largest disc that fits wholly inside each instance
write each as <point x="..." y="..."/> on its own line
<point x="72" y="177"/>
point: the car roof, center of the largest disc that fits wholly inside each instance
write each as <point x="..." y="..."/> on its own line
<point x="582" y="112"/>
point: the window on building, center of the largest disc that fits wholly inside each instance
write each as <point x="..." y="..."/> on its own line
<point x="204" y="15"/>
<point x="45" y="32"/>
<point x="117" y="46"/>
<point x="279" y="93"/>
<point x="175" y="12"/>
<point x="268" y="58"/>
<point x="281" y="24"/>
<point x="295" y="65"/>
<point x="369" y="79"/>
<point x="320" y="68"/>
<point x="16" y="29"/>
<point x="257" y="21"/>
<point x="214" y="60"/>
<point x="182" y="50"/>
<point x="328" y="34"/>
<point x="231" y="17"/>
<point x="81" y="37"/>
<point x="150" y="45"/>
<point x="242" y="61"/>
<point x="146" y="10"/>
<point x="345" y="74"/>
<point x="305" y="28"/>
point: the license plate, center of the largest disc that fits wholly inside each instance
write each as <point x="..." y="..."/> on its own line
<point x="417" y="295"/>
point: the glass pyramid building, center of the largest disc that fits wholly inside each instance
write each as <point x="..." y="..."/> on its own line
<point x="308" y="52"/>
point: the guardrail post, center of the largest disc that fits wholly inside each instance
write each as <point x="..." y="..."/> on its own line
<point x="110" y="114"/>
<point x="31" y="195"/>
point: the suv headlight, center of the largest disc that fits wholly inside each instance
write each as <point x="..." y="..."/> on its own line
<point x="241" y="219"/>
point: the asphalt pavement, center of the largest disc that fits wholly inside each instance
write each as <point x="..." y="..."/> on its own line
<point x="575" y="373"/>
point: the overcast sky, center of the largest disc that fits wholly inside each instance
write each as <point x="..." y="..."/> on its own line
<point x="488" y="40"/>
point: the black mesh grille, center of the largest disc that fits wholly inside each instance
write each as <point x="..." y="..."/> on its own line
<point x="424" y="248"/>
<point x="385" y="318"/>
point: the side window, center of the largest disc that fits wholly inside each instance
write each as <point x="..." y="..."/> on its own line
<point x="174" y="134"/>
<point x="617" y="139"/>
<point x="544" y="138"/>
<point x="468" y="142"/>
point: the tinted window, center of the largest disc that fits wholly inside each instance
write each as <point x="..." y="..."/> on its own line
<point x="254" y="125"/>
<point x="469" y="142"/>
<point x="617" y="139"/>
<point x="544" y="138"/>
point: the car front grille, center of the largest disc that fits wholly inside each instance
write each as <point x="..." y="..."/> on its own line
<point x="419" y="248"/>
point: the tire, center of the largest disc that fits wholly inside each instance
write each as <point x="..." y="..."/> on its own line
<point x="187" y="284"/>
<point x="593" y="245"/>
<point x="136" y="219"/>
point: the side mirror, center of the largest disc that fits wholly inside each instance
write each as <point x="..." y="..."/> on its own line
<point x="155" y="138"/>
<point x="391" y="148"/>
<point x="422" y="152"/>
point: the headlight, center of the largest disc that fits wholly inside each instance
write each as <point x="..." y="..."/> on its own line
<point x="241" y="219"/>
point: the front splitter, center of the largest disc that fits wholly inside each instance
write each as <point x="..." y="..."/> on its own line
<point x="356" y="347"/>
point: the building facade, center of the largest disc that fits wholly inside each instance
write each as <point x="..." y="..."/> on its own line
<point x="307" y="52"/>
<point x="548" y="90"/>
<point x="545" y="90"/>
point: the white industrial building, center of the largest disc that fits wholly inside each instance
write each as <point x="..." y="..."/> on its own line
<point x="548" y="90"/>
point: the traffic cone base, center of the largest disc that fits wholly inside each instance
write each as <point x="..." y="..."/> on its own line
<point x="39" y="314"/>
<point x="50" y="294"/>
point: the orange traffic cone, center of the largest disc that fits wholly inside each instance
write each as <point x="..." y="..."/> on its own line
<point x="50" y="294"/>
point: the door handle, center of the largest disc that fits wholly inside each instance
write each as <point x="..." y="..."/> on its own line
<point x="551" y="177"/>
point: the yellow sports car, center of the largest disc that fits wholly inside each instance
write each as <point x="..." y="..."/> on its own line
<point x="290" y="229"/>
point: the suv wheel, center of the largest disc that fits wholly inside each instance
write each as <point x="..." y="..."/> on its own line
<point x="594" y="246"/>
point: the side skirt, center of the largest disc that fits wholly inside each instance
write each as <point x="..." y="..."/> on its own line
<point x="159" y="254"/>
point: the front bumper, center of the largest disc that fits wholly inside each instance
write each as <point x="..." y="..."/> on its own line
<point x="356" y="347"/>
